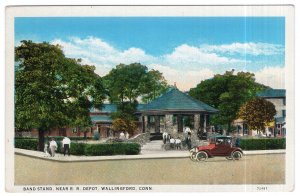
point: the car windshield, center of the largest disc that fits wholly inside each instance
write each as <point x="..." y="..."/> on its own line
<point x="220" y="140"/>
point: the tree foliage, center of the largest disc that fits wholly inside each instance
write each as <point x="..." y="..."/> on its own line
<point x="126" y="83"/>
<point x="52" y="90"/>
<point x="153" y="85"/>
<point x="227" y="93"/>
<point x="124" y="125"/>
<point x="257" y="113"/>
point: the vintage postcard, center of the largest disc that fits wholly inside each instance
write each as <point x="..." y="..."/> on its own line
<point x="150" y="98"/>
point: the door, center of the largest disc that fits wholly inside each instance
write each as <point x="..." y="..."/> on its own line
<point x="222" y="149"/>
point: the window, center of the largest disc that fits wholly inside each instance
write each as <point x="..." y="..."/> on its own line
<point x="74" y="129"/>
<point x="283" y="113"/>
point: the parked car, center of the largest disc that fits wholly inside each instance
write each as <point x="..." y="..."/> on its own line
<point x="223" y="146"/>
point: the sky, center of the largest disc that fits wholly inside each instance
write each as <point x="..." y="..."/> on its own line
<point x="186" y="50"/>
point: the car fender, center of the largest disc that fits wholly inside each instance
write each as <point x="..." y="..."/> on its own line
<point x="207" y="152"/>
<point x="238" y="149"/>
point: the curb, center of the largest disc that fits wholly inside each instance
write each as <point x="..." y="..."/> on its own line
<point x="175" y="154"/>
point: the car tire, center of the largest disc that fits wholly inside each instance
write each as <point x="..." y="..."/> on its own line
<point x="237" y="155"/>
<point x="229" y="158"/>
<point x="201" y="156"/>
<point x="193" y="156"/>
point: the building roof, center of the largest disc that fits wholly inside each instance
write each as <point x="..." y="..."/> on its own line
<point x="101" y="118"/>
<point x="176" y="101"/>
<point x="103" y="114"/>
<point x="272" y="93"/>
<point x="280" y="120"/>
<point x="106" y="108"/>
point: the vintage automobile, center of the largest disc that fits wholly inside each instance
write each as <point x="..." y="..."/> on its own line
<point x="218" y="146"/>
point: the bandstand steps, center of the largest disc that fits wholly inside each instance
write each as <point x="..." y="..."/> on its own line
<point x="155" y="145"/>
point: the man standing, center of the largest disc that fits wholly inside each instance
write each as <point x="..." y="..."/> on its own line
<point x="172" y="142"/>
<point x="165" y="135"/>
<point x="67" y="145"/>
<point x="53" y="147"/>
<point x="122" y="136"/>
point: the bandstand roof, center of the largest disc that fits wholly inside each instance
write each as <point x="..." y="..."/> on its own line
<point x="175" y="101"/>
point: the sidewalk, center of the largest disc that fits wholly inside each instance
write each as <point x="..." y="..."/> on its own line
<point x="145" y="155"/>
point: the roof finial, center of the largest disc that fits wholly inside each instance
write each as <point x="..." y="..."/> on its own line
<point x="175" y="85"/>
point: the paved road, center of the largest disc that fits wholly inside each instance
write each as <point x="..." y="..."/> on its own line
<point x="254" y="169"/>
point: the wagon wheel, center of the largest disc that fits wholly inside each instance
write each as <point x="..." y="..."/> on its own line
<point x="201" y="156"/>
<point x="236" y="155"/>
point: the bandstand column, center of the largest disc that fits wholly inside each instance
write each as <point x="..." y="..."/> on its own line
<point x="145" y="123"/>
<point x="205" y="122"/>
<point x="179" y="122"/>
<point x="169" y="123"/>
<point x="157" y="124"/>
<point x="196" y="121"/>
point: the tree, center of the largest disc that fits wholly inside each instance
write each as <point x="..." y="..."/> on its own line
<point x="126" y="83"/>
<point x="52" y="91"/>
<point x="153" y="85"/>
<point x="227" y="93"/>
<point x="124" y="125"/>
<point x="257" y="113"/>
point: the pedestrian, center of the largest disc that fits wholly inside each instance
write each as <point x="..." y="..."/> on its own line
<point x="46" y="149"/>
<point x="237" y="142"/>
<point x="172" y="142"/>
<point x="187" y="130"/>
<point x="168" y="138"/>
<point x="53" y="147"/>
<point x="67" y="145"/>
<point x="189" y="141"/>
<point x="122" y="136"/>
<point x="126" y="135"/>
<point x="165" y="135"/>
<point x="178" y="143"/>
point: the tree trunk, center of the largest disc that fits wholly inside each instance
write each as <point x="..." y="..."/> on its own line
<point x="41" y="139"/>
<point x="228" y="128"/>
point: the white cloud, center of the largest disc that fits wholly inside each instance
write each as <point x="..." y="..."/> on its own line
<point x="185" y="55"/>
<point x="184" y="79"/>
<point x="186" y="65"/>
<point x="249" y="48"/>
<point x="99" y="53"/>
<point x="271" y="76"/>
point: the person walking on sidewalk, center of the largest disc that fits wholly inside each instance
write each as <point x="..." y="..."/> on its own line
<point x="53" y="147"/>
<point x="67" y="145"/>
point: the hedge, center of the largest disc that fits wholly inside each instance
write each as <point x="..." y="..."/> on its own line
<point x="59" y="138"/>
<point x="86" y="149"/>
<point x="263" y="144"/>
<point x="112" y="149"/>
<point x="29" y="144"/>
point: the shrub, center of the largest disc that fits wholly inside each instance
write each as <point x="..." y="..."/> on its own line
<point x="77" y="148"/>
<point x="263" y="144"/>
<point x="58" y="138"/>
<point x="29" y="144"/>
<point x="112" y="149"/>
<point x="115" y="148"/>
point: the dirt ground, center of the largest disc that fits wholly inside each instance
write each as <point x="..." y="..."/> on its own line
<point x="254" y="169"/>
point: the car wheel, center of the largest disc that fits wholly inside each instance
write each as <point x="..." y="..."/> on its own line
<point x="193" y="156"/>
<point x="237" y="155"/>
<point x="229" y="158"/>
<point x="201" y="156"/>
